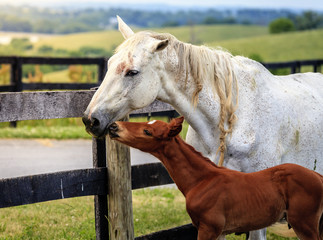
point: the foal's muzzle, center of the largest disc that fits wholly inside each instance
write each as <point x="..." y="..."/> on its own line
<point x="113" y="130"/>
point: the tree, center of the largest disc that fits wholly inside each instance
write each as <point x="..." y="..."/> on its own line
<point x="281" y="25"/>
<point x="309" y="20"/>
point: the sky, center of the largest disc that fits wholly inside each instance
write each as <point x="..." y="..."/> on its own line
<point x="276" y="4"/>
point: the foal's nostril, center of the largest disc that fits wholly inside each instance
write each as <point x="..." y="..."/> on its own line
<point x="113" y="127"/>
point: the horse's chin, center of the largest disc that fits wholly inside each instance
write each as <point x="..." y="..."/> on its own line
<point x="98" y="135"/>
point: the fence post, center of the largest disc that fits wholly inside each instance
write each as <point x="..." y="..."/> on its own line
<point x="120" y="195"/>
<point x="16" y="80"/>
<point x="100" y="201"/>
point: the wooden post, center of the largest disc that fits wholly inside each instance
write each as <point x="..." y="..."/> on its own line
<point x="100" y="201"/>
<point x="120" y="195"/>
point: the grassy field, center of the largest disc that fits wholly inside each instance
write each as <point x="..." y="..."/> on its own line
<point x="110" y="39"/>
<point x="153" y="209"/>
<point x="279" y="47"/>
<point x="238" y="39"/>
<point x="68" y="128"/>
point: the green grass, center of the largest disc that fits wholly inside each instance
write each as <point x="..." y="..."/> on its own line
<point x="278" y="47"/>
<point x="238" y="39"/>
<point x="153" y="210"/>
<point x="110" y="39"/>
<point x="68" y="128"/>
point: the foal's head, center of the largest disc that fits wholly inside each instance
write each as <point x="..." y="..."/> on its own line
<point x="146" y="136"/>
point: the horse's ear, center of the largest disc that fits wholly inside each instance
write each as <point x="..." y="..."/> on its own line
<point x="124" y="28"/>
<point x="175" y="126"/>
<point x="159" y="45"/>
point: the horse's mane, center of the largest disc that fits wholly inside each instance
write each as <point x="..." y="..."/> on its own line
<point x="204" y="65"/>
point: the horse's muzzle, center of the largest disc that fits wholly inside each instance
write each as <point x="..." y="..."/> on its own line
<point x="94" y="126"/>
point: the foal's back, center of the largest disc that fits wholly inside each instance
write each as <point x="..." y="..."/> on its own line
<point x="260" y="198"/>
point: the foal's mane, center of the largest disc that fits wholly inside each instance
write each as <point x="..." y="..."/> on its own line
<point x="212" y="67"/>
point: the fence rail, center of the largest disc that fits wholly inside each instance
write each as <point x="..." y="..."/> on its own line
<point x="295" y="66"/>
<point x="17" y="85"/>
<point x="16" y="64"/>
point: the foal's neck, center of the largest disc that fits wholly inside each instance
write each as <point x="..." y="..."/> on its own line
<point x="186" y="166"/>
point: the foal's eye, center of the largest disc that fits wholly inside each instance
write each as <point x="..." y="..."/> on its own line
<point x="132" y="73"/>
<point x="147" y="132"/>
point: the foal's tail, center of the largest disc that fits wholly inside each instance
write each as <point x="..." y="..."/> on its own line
<point x="321" y="228"/>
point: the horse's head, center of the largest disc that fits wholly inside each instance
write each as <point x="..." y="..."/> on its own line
<point x="145" y="136"/>
<point x="132" y="81"/>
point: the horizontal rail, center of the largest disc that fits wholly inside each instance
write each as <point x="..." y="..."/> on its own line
<point x="149" y="175"/>
<point x="52" y="60"/>
<point x="55" y="104"/>
<point x="58" y="86"/>
<point x="52" y="186"/>
<point x="43" y="105"/>
<point x="185" y="232"/>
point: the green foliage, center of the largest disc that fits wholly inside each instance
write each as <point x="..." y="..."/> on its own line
<point x="256" y="57"/>
<point x="170" y="24"/>
<point x="21" y="44"/>
<point x="281" y="25"/>
<point x="73" y="20"/>
<point x="309" y="20"/>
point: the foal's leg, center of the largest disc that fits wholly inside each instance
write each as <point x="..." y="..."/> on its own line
<point x="305" y="227"/>
<point x="207" y="233"/>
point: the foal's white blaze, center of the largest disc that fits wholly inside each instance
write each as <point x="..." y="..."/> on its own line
<point x="151" y="122"/>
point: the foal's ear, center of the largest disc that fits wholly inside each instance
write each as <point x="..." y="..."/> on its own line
<point x="175" y="126"/>
<point x="124" y="28"/>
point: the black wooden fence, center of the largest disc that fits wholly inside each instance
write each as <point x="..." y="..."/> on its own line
<point x="75" y="183"/>
<point x="16" y="66"/>
<point x="17" y="85"/>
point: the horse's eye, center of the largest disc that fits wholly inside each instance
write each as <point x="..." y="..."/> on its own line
<point x="147" y="132"/>
<point x="132" y="73"/>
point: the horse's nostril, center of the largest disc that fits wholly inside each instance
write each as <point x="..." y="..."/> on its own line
<point x="95" y="122"/>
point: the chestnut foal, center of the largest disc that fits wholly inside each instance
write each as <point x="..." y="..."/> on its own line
<point x="221" y="201"/>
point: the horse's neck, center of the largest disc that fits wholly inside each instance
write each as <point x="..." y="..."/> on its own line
<point x="203" y="117"/>
<point x="186" y="166"/>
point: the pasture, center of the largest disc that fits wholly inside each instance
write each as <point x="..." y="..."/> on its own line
<point x="238" y="39"/>
<point x="278" y="47"/>
<point x="112" y="38"/>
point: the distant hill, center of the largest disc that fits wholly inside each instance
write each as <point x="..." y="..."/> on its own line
<point x="238" y="39"/>
<point x="280" y="47"/>
<point x="199" y="34"/>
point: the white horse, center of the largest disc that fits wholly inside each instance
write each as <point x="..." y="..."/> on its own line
<point x="235" y="107"/>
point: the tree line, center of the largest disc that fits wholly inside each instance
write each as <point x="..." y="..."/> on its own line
<point x="63" y="21"/>
<point x="306" y="21"/>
